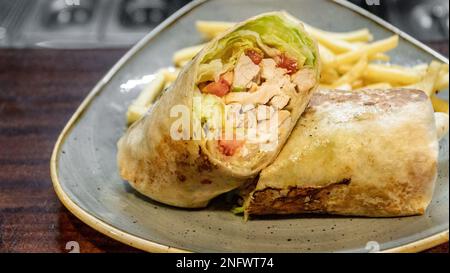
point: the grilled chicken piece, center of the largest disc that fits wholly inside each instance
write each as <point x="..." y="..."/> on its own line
<point x="279" y="101"/>
<point x="244" y="72"/>
<point x="247" y="107"/>
<point x="288" y="87"/>
<point x="270" y="70"/>
<point x="304" y="79"/>
<point x="264" y="93"/>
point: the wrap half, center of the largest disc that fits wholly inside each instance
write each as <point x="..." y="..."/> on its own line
<point x="242" y="94"/>
<point x="366" y="153"/>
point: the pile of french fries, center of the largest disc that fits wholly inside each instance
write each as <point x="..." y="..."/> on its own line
<point x="350" y="61"/>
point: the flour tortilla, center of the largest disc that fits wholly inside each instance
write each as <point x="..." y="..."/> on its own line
<point x="365" y="153"/>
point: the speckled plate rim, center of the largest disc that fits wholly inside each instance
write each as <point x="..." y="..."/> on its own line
<point x="147" y="245"/>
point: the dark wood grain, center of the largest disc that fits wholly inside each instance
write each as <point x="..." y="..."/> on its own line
<point x="39" y="91"/>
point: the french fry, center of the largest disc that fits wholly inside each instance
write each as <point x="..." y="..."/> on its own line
<point x="335" y="45"/>
<point x="151" y="91"/>
<point x="167" y="84"/>
<point x="342" y="69"/>
<point x="184" y="55"/>
<point x="353" y="74"/>
<point x="392" y="74"/>
<point x="357" y="84"/>
<point x="344" y="87"/>
<point x="135" y="112"/>
<point x="369" y="50"/>
<point x="439" y="104"/>
<point x="140" y="105"/>
<point x="380" y="57"/>
<point x="359" y="44"/>
<point x="183" y="63"/>
<point x="329" y="76"/>
<point x="325" y="87"/>
<point x="442" y="81"/>
<point x="210" y="29"/>
<point x="421" y="68"/>
<point x="326" y="55"/>
<point x="361" y="35"/>
<point x="170" y="74"/>
<point x="380" y="85"/>
<point x="428" y="82"/>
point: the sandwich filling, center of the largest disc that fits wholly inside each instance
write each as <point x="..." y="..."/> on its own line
<point x="249" y="85"/>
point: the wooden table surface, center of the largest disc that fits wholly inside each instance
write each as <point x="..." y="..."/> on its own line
<point x="39" y="91"/>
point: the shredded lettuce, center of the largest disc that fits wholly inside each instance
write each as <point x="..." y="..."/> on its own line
<point x="238" y="210"/>
<point x="285" y="35"/>
<point x="211" y="71"/>
<point x="209" y="112"/>
<point x="267" y="32"/>
<point x="230" y="48"/>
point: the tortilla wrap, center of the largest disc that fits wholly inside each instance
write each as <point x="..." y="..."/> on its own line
<point x="190" y="172"/>
<point x="365" y="153"/>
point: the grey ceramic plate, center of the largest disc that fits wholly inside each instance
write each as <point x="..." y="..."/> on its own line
<point x="85" y="175"/>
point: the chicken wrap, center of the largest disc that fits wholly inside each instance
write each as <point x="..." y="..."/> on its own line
<point x="242" y="95"/>
<point x="365" y="153"/>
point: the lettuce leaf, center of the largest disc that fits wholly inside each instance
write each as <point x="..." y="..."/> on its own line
<point x="210" y="71"/>
<point x="233" y="45"/>
<point x="237" y="210"/>
<point x="266" y="32"/>
<point x="285" y="35"/>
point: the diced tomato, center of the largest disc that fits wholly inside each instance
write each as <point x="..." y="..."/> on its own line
<point x="254" y="55"/>
<point x="287" y="63"/>
<point x="219" y="89"/>
<point x="229" y="147"/>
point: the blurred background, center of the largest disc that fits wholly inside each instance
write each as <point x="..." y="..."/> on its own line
<point x="120" y="23"/>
